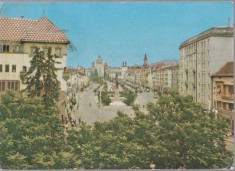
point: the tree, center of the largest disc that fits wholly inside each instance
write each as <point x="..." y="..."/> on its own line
<point x="33" y="78"/>
<point x="30" y="134"/>
<point x="177" y="134"/>
<point x="111" y="145"/>
<point x="51" y="84"/>
<point x="130" y="97"/>
<point x="105" y="99"/>
<point x="188" y="137"/>
<point x="41" y="79"/>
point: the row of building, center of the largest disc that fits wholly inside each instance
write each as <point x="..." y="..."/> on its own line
<point x="204" y="71"/>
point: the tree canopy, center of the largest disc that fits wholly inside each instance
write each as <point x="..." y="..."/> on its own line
<point x="176" y="134"/>
<point x="41" y="79"/>
<point x="31" y="136"/>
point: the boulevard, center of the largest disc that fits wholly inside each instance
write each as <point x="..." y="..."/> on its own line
<point x="90" y="110"/>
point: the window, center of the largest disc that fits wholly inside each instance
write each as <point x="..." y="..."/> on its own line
<point x="16" y="86"/>
<point x="57" y="51"/>
<point x="2" y="86"/>
<point x="1" y="68"/>
<point x="13" y="68"/>
<point x="230" y="106"/>
<point x="24" y="69"/>
<point x="12" y="85"/>
<point x="218" y="89"/>
<point x="9" y="85"/>
<point x="32" y="50"/>
<point x="14" y="48"/>
<point x="21" y="49"/>
<point x="46" y="51"/>
<point x="6" y="68"/>
<point x="5" y="48"/>
<point x="231" y="89"/>
<point x="1" y="48"/>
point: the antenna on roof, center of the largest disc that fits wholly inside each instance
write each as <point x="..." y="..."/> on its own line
<point x="43" y="13"/>
<point x="228" y="22"/>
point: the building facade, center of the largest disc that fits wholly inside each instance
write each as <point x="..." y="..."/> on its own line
<point x="19" y="39"/>
<point x="223" y="94"/>
<point x="99" y="67"/>
<point x="200" y="57"/>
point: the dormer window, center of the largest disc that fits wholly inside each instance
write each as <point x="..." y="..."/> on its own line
<point x="17" y="49"/>
<point x="46" y="50"/>
<point x="58" y="51"/>
<point x="32" y="50"/>
<point x="5" y="48"/>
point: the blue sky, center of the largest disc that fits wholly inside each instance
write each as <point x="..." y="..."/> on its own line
<point x="126" y="31"/>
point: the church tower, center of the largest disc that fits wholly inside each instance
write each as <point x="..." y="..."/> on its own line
<point x="145" y="60"/>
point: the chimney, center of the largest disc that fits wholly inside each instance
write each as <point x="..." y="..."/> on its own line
<point x="21" y="16"/>
<point x="228" y="22"/>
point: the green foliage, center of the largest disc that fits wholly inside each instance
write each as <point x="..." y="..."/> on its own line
<point x="176" y="134"/>
<point x="189" y="137"/>
<point x="112" y="145"/>
<point x="105" y="99"/>
<point x="130" y="97"/>
<point x="95" y="78"/>
<point x="31" y="136"/>
<point x="41" y="79"/>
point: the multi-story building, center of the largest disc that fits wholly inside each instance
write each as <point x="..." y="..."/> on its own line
<point x="124" y="71"/>
<point x="99" y="67"/>
<point x="165" y="76"/>
<point x="223" y="93"/>
<point x="133" y="75"/>
<point x="113" y="71"/>
<point x="175" y="77"/>
<point x="157" y="76"/>
<point x="200" y="57"/>
<point x="19" y="39"/>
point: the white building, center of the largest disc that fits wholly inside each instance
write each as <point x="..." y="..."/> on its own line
<point x="200" y="57"/>
<point x="99" y="67"/>
<point x="19" y="38"/>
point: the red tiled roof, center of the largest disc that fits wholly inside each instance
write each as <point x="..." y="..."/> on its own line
<point x="133" y="69"/>
<point x="20" y="29"/>
<point x="157" y="65"/>
<point x="226" y="70"/>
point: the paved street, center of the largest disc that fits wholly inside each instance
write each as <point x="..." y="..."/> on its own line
<point x="91" y="113"/>
<point x="86" y="112"/>
<point x="143" y="99"/>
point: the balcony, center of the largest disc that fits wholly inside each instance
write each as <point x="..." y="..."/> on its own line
<point x="227" y="97"/>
